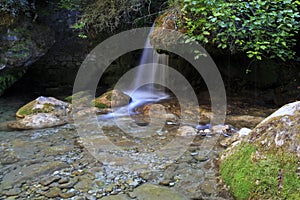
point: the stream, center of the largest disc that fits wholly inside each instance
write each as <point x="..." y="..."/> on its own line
<point x="59" y="163"/>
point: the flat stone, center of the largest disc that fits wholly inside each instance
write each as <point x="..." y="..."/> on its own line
<point x="29" y="172"/>
<point x="12" y="192"/>
<point x="149" y="191"/>
<point x="84" y="184"/>
<point x="48" y="180"/>
<point x="53" y="192"/>
<point x="69" y="184"/>
<point x="67" y="195"/>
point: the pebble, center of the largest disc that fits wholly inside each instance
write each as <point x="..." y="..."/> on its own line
<point x="63" y="180"/>
<point x="165" y="182"/>
<point x="67" y="195"/>
<point x="53" y="192"/>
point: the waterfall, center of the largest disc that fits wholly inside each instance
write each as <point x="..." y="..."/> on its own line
<point x="151" y="74"/>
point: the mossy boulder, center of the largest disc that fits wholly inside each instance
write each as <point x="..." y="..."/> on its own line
<point x="267" y="164"/>
<point x="44" y="105"/>
<point x="113" y="98"/>
<point x="43" y="112"/>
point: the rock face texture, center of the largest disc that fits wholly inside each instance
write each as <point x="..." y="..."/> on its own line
<point x="22" y="43"/>
<point x="267" y="163"/>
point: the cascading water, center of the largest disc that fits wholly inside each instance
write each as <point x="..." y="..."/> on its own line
<point x="148" y="71"/>
<point x="150" y="59"/>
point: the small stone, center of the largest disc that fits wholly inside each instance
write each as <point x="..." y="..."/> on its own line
<point x="48" y="180"/>
<point x="53" y="192"/>
<point x="165" y="182"/>
<point x="244" y="131"/>
<point x="63" y="180"/>
<point x="70" y="184"/>
<point x="67" y="195"/>
<point x="131" y="195"/>
<point x="109" y="188"/>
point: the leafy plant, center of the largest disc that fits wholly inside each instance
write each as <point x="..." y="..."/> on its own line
<point x="261" y="29"/>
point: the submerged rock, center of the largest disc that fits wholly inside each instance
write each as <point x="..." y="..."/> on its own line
<point x="265" y="165"/>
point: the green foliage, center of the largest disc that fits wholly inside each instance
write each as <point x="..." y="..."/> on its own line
<point x="258" y="28"/>
<point x="69" y="4"/>
<point x="7" y="80"/>
<point x="270" y="176"/>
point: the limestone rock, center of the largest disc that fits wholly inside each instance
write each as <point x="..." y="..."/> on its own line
<point x="44" y="105"/>
<point x="266" y="163"/>
<point x="37" y="121"/>
<point x="43" y="112"/>
<point x="280" y="130"/>
<point x="113" y="98"/>
<point x="22" y="43"/>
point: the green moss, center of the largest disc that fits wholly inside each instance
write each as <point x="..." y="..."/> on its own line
<point x="236" y="172"/>
<point x="28" y="109"/>
<point x="257" y="176"/>
<point x="76" y="96"/>
<point x="99" y="105"/>
<point x="109" y="95"/>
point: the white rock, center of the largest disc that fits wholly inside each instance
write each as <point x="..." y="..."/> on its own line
<point x="244" y="131"/>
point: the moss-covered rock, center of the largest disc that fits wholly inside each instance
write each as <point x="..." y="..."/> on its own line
<point x="113" y="98"/>
<point x="44" y="105"/>
<point x="266" y="165"/>
<point x="22" y="43"/>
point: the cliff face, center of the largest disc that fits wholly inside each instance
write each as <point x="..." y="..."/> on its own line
<point x="23" y="42"/>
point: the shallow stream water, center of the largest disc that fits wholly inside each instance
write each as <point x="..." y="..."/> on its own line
<point x="105" y="160"/>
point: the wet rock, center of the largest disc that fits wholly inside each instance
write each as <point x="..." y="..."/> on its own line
<point x="8" y="156"/>
<point x="113" y="98"/>
<point x="63" y="180"/>
<point x="48" y="180"/>
<point x="53" y="192"/>
<point x="69" y="184"/>
<point x="186" y="131"/>
<point x="165" y="182"/>
<point x="29" y="172"/>
<point x="84" y="184"/>
<point x="12" y="192"/>
<point x="149" y="191"/>
<point x="117" y="197"/>
<point x="240" y="121"/>
<point x="67" y="195"/>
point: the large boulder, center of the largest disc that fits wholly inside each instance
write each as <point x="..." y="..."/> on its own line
<point x="44" y="105"/>
<point x="43" y="112"/>
<point x="266" y="165"/>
